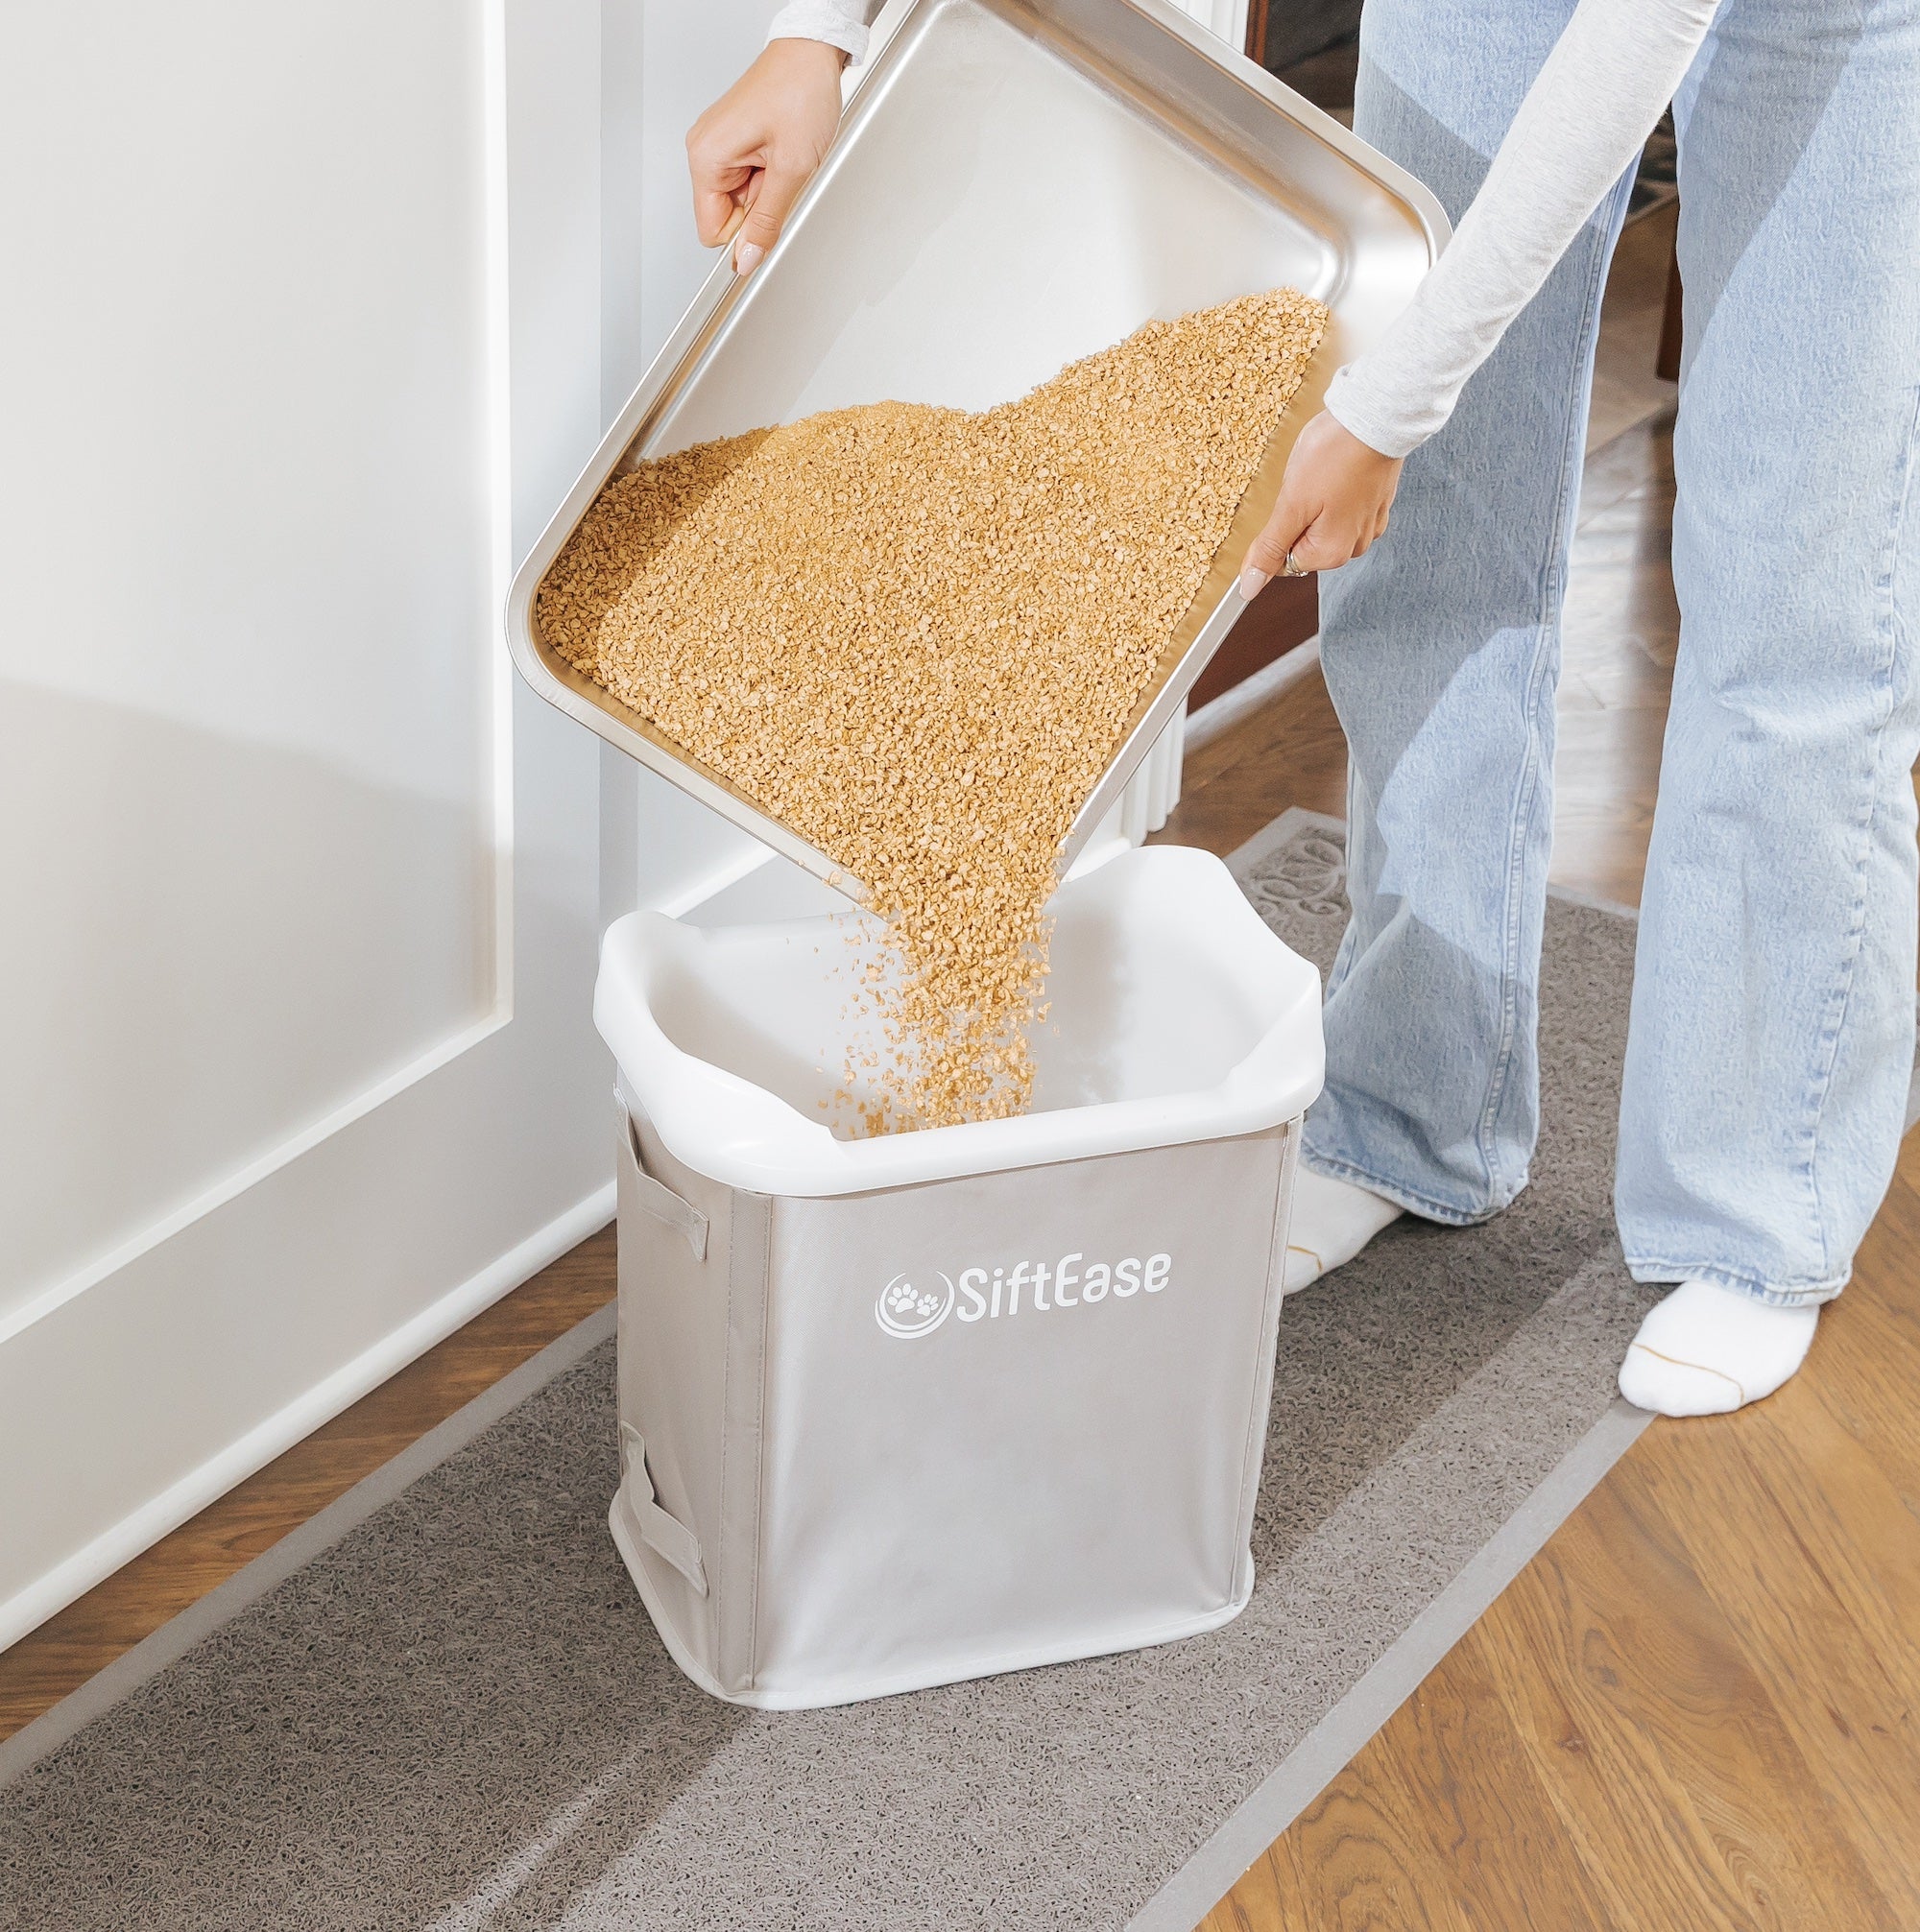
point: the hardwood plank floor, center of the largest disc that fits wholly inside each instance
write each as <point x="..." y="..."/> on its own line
<point x="1626" y="388"/>
<point x="1292" y="752"/>
<point x="1710" y="1675"/>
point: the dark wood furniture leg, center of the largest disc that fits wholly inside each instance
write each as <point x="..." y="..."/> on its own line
<point x="1666" y="365"/>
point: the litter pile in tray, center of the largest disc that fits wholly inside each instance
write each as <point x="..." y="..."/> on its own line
<point x="916" y="635"/>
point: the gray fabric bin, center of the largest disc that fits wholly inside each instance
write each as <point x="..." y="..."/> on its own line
<point x="882" y="1437"/>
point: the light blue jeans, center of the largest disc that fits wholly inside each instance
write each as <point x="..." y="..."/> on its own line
<point x="1774" y="1006"/>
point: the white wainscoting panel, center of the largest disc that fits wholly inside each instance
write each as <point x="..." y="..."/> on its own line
<point x="663" y="61"/>
<point x="300" y="347"/>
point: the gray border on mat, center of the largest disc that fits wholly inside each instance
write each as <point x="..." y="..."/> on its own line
<point x="172" y="1641"/>
<point x="1320" y="1756"/>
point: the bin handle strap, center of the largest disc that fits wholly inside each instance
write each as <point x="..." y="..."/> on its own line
<point x="660" y="1200"/>
<point x="667" y="1536"/>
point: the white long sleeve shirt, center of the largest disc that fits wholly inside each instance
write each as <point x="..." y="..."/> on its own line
<point x="1586" y="117"/>
<point x="840" y="23"/>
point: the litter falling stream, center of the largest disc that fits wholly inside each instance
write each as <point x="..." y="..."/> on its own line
<point x="916" y="635"/>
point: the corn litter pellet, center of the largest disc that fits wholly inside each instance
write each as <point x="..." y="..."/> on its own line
<point x="915" y="635"/>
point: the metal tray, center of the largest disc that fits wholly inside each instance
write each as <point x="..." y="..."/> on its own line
<point x="1016" y="184"/>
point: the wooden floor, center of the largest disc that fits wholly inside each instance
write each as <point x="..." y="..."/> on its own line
<point x="1696" y="1707"/>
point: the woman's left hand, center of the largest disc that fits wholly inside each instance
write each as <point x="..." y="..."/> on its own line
<point x="1333" y="504"/>
<point x="752" y="152"/>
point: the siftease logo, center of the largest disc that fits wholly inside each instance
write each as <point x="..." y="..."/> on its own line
<point x="906" y="1311"/>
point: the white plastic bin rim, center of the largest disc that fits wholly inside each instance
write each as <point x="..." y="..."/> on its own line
<point x="1175" y="1015"/>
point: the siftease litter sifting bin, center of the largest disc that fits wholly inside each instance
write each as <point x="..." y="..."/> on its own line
<point x="903" y="1410"/>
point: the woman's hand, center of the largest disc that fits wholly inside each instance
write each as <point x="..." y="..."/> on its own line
<point x="1334" y="503"/>
<point x="753" y="151"/>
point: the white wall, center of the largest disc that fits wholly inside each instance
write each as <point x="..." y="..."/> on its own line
<point x="300" y="347"/>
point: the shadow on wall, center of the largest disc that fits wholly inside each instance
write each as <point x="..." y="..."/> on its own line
<point x="217" y="944"/>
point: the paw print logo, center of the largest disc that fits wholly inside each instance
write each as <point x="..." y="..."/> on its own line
<point x="906" y="1310"/>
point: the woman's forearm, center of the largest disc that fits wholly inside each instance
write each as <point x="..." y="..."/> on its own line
<point x="1584" y="120"/>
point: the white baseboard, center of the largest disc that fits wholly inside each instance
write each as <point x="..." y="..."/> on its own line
<point x="97" y="1560"/>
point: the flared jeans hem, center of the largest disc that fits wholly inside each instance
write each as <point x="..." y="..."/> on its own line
<point x="1812" y="1294"/>
<point x="1410" y="1199"/>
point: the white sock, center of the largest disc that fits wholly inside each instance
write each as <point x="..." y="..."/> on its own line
<point x="1706" y="1350"/>
<point x="1332" y="1221"/>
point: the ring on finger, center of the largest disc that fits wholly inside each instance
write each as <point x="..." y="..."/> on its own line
<point x="1290" y="568"/>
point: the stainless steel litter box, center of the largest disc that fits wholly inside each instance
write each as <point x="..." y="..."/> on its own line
<point x="1016" y="184"/>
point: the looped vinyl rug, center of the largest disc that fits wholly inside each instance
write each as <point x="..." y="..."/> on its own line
<point x="456" y="1716"/>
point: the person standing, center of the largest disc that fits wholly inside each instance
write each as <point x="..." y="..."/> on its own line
<point x="1772" y="1027"/>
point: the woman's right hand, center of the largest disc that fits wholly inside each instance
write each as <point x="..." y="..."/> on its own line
<point x="1333" y="504"/>
<point x="757" y="146"/>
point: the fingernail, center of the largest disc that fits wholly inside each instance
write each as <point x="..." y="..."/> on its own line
<point x="1252" y="582"/>
<point x="747" y="257"/>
